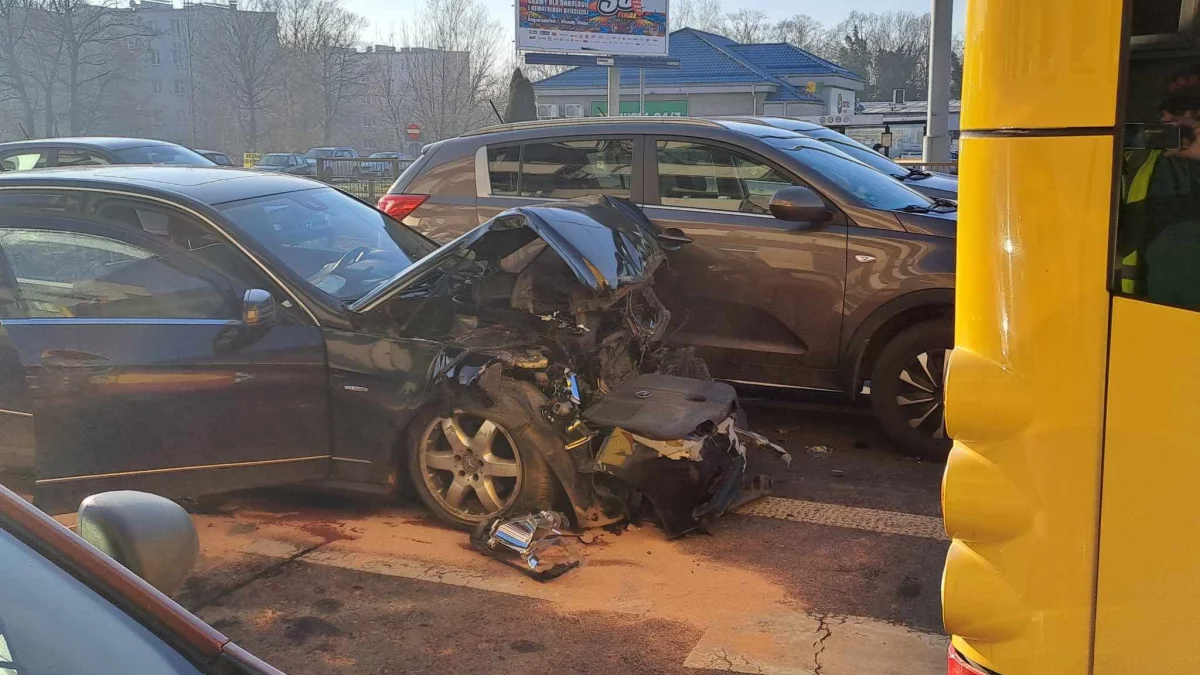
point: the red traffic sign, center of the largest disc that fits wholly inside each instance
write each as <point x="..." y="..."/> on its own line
<point x="413" y="131"/>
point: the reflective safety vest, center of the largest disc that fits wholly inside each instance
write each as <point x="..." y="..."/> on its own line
<point x="1134" y="200"/>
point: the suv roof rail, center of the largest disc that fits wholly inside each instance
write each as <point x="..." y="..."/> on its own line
<point x="586" y="121"/>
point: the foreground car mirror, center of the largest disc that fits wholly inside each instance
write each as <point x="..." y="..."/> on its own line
<point x="799" y="205"/>
<point x="673" y="239"/>
<point x="152" y="536"/>
<point x="258" y="309"/>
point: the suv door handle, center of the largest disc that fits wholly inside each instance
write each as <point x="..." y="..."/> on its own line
<point x="74" y="361"/>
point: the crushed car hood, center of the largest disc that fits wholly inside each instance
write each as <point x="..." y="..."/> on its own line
<point x="607" y="242"/>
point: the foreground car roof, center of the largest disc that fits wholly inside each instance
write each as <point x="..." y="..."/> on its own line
<point x="208" y="185"/>
<point x="105" y="142"/>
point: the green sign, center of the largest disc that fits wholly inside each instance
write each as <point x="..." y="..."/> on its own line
<point x="655" y="108"/>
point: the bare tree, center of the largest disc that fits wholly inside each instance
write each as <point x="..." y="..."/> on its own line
<point x="747" y="26"/>
<point x="804" y="32"/>
<point x="705" y="15"/>
<point x="15" y="81"/>
<point x="82" y="54"/>
<point x="452" y="49"/>
<point x="242" y="48"/>
<point x="323" y="38"/>
<point x="889" y="49"/>
<point x="388" y="88"/>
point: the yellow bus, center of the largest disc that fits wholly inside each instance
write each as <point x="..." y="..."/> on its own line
<point x="1074" y="386"/>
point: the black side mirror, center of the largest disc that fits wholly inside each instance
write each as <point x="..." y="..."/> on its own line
<point x="799" y="205"/>
<point x="152" y="536"/>
<point x="258" y="309"/>
<point x="673" y="239"/>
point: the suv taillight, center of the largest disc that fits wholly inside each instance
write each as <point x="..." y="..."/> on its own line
<point x="399" y="206"/>
<point x="957" y="665"/>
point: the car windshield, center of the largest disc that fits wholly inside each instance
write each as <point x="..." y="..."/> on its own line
<point x="161" y="154"/>
<point x="318" y="153"/>
<point x="274" y="160"/>
<point x="869" y="186"/>
<point x="868" y="156"/>
<point x="337" y="244"/>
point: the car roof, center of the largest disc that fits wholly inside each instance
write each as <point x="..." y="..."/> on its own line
<point x="780" y="122"/>
<point x="102" y="142"/>
<point x="208" y="185"/>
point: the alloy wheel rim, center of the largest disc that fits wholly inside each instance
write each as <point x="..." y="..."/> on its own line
<point x="922" y="393"/>
<point x="470" y="465"/>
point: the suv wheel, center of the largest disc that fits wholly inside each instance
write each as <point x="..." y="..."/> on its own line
<point x="908" y="388"/>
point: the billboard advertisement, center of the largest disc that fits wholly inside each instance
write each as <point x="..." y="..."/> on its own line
<point x="619" y="27"/>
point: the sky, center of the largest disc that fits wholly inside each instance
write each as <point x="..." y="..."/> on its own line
<point x="383" y="14"/>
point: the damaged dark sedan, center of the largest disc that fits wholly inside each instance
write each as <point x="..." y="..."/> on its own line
<point x="192" y="331"/>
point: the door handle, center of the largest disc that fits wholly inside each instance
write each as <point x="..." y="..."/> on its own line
<point x="74" y="361"/>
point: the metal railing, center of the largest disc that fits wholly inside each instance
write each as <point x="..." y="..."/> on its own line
<point x="367" y="178"/>
<point x="942" y="167"/>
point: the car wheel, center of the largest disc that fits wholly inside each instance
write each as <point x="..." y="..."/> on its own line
<point x="478" y="462"/>
<point x="908" y="388"/>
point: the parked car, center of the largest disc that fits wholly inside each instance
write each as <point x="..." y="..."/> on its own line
<point x="932" y="184"/>
<point x="339" y="164"/>
<point x="384" y="169"/>
<point x="285" y="162"/>
<point x="809" y="269"/>
<point x="94" y="151"/>
<point x="218" y="158"/>
<point x="70" y="607"/>
<point x="185" y="331"/>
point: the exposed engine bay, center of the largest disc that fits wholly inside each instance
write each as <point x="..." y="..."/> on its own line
<point x="553" y="307"/>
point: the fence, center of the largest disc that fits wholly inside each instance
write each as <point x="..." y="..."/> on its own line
<point x="943" y="167"/>
<point x="367" y="178"/>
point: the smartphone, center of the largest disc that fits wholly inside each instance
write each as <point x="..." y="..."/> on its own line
<point x="1152" y="136"/>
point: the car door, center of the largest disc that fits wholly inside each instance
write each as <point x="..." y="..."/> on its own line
<point x="548" y="169"/>
<point x="141" y="372"/>
<point x="760" y="298"/>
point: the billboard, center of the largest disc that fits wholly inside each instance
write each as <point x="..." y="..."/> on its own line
<point x="621" y="27"/>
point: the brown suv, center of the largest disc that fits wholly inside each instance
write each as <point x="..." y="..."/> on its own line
<point x="797" y="266"/>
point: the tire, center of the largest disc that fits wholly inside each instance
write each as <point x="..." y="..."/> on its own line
<point x="510" y="478"/>
<point x="908" y="388"/>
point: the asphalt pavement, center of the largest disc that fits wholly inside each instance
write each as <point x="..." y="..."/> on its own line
<point x="836" y="574"/>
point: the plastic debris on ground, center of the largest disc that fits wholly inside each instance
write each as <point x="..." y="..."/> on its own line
<point x="533" y="544"/>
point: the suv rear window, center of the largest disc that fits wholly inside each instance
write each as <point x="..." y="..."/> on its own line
<point x="562" y="169"/>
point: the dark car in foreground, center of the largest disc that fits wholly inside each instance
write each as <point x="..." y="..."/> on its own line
<point x="188" y="331"/>
<point x="94" y="151"/>
<point x="97" y="602"/>
<point x="808" y="269"/>
<point x="285" y="162"/>
<point x="929" y="183"/>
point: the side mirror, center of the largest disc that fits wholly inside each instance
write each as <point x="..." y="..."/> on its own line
<point x="152" y="536"/>
<point x="258" y="309"/>
<point x="799" y="205"/>
<point x="673" y="239"/>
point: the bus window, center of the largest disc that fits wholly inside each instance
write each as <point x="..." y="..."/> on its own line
<point x="1157" y="251"/>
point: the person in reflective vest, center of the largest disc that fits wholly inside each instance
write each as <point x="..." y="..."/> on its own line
<point x="1159" y="234"/>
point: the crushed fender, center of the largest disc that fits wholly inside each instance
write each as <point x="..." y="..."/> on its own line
<point x="533" y="544"/>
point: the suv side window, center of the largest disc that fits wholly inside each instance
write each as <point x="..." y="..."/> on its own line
<point x="24" y="160"/>
<point x="574" y="168"/>
<point x="504" y="169"/>
<point x="74" y="157"/>
<point x="697" y="175"/>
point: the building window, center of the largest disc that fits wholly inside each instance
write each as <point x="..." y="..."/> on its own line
<point x="181" y="116"/>
<point x="368" y="121"/>
<point x="155" y="87"/>
<point x="156" y="117"/>
<point x="177" y="56"/>
<point x="370" y="144"/>
<point x="176" y="26"/>
<point x="154" y="58"/>
<point x="180" y="86"/>
<point x="152" y="25"/>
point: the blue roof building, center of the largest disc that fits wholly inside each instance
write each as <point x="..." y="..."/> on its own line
<point x="717" y="76"/>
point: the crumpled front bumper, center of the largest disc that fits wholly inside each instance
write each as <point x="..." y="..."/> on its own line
<point x="690" y="481"/>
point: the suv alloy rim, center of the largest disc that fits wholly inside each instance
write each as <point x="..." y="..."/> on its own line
<point x="922" y="393"/>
